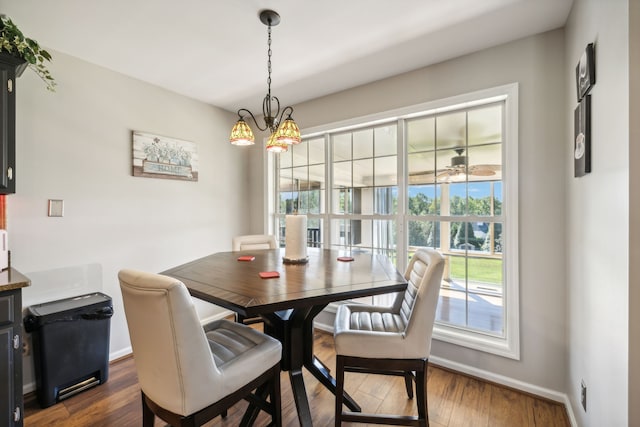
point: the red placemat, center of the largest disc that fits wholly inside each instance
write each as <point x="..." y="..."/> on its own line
<point x="246" y="258"/>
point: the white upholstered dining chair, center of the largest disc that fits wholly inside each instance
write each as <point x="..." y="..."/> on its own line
<point x="254" y="241"/>
<point x="394" y="340"/>
<point x="251" y="242"/>
<point x="190" y="373"/>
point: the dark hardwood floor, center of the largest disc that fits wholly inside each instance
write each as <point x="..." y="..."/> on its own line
<point x="454" y="400"/>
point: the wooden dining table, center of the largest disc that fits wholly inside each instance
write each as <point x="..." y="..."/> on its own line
<point x="289" y="303"/>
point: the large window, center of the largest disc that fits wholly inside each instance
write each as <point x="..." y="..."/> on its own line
<point x="440" y="175"/>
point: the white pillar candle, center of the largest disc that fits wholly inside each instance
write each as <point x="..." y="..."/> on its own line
<point x="295" y="244"/>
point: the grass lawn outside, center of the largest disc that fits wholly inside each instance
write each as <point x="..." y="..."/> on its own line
<point x="482" y="270"/>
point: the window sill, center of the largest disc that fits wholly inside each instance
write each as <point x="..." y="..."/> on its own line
<point x="477" y="341"/>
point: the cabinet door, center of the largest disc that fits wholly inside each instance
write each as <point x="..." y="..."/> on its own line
<point x="7" y="129"/>
<point x="7" y="386"/>
<point x="10" y="68"/>
<point x="11" y="401"/>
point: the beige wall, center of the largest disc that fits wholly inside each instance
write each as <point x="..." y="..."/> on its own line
<point x="537" y="64"/>
<point x="598" y="219"/>
<point x="75" y="145"/>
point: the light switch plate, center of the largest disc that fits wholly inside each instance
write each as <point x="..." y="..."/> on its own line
<point x="56" y="207"/>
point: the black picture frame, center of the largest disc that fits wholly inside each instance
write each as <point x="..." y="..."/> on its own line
<point x="582" y="137"/>
<point x="586" y="72"/>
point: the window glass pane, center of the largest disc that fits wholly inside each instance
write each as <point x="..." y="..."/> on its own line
<point x="491" y="232"/>
<point x="286" y="202"/>
<point x="341" y="147"/>
<point x="384" y="238"/>
<point x="421" y="135"/>
<point x="386" y="200"/>
<point x="421" y="168"/>
<point x="497" y="198"/>
<point x="316" y="151"/>
<point x="497" y="238"/>
<point x="479" y="202"/>
<point x="465" y="236"/>
<point x="363" y="144"/>
<point x="363" y="200"/>
<point x="386" y="171"/>
<point x="424" y="200"/>
<point x="285" y="181"/>
<point x="285" y="159"/>
<point x="342" y="200"/>
<point x="285" y="191"/>
<point x="280" y="228"/>
<point x="471" y="296"/>
<point x="457" y="198"/>
<point x="485" y="125"/>
<point x="314" y="232"/>
<point x="423" y="234"/>
<point x="342" y="174"/>
<point x="299" y="153"/>
<point x="316" y="177"/>
<point x="484" y="162"/>
<point x="451" y="130"/>
<point x="451" y="165"/>
<point x="386" y="139"/>
<point x="340" y="233"/>
<point x="363" y="173"/>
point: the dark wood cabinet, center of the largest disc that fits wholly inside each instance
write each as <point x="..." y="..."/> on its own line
<point x="11" y="400"/>
<point x="10" y="68"/>
<point x="11" y="406"/>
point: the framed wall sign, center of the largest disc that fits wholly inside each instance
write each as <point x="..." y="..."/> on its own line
<point x="582" y="137"/>
<point x="157" y="156"/>
<point x="586" y="72"/>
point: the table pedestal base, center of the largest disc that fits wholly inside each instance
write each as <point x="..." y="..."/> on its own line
<point x="294" y="329"/>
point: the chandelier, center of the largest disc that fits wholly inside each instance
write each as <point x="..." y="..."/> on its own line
<point x="283" y="133"/>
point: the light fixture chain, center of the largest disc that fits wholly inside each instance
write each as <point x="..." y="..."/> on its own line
<point x="269" y="63"/>
<point x="284" y="131"/>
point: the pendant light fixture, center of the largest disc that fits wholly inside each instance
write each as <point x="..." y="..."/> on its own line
<point x="283" y="132"/>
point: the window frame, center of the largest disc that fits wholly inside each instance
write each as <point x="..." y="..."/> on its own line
<point x="507" y="346"/>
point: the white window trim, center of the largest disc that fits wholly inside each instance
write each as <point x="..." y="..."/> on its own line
<point x="509" y="346"/>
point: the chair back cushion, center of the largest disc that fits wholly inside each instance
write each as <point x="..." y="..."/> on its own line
<point x="254" y="242"/>
<point x="175" y="366"/>
<point x="418" y="308"/>
<point x="400" y="331"/>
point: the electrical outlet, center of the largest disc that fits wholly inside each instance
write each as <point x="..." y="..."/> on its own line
<point x="583" y="395"/>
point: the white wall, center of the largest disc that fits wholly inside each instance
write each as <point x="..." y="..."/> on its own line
<point x="598" y="218"/>
<point x="76" y="145"/>
<point x="537" y="64"/>
<point x="634" y="212"/>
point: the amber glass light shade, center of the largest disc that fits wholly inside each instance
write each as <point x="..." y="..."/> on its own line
<point x="275" y="146"/>
<point x="288" y="132"/>
<point x="241" y="134"/>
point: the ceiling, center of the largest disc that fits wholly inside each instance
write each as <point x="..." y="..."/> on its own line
<point x="216" y="50"/>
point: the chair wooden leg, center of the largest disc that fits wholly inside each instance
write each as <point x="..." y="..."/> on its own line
<point x="408" y="383"/>
<point x="276" y="403"/>
<point x="339" y="389"/>
<point x="413" y="370"/>
<point x="421" y="396"/>
<point x="148" y="417"/>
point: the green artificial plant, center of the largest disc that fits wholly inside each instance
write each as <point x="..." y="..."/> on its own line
<point x="13" y="42"/>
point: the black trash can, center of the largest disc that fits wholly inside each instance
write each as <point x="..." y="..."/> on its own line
<point x="70" y="345"/>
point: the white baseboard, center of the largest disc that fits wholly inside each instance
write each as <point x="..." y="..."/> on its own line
<point x="556" y="396"/>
